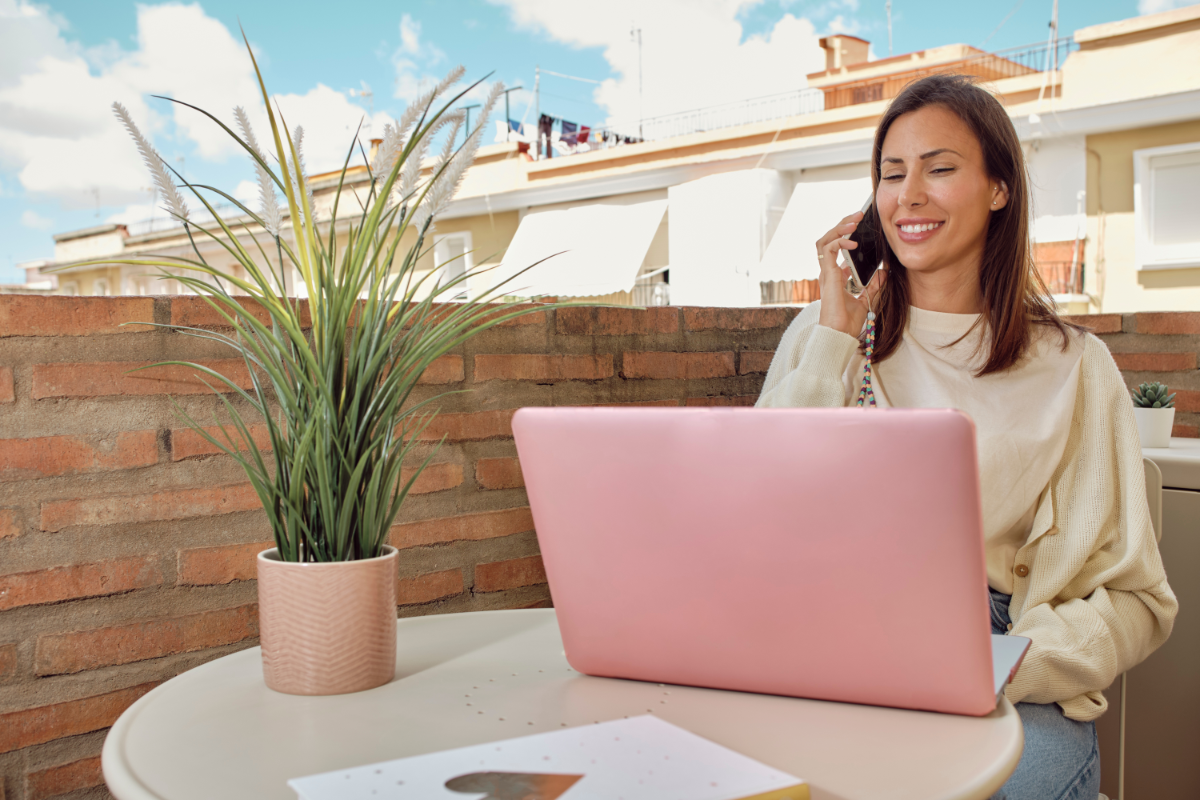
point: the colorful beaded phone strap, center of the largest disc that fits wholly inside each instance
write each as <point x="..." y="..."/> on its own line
<point x="866" y="395"/>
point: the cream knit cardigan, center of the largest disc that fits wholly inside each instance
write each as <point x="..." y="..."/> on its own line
<point x="1095" y="601"/>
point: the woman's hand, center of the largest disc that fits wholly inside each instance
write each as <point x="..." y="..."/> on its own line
<point x="841" y="310"/>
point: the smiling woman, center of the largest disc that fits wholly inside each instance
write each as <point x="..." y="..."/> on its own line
<point x="952" y="190"/>
<point x="962" y="321"/>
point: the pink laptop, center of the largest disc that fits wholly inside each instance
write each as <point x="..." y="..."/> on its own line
<point x="834" y="554"/>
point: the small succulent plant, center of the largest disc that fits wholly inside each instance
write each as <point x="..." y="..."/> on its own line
<point x="1153" y="395"/>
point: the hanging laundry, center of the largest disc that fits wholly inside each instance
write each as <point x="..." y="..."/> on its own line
<point x="569" y="133"/>
<point x="516" y="127"/>
<point x="584" y="130"/>
<point x="545" y="126"/>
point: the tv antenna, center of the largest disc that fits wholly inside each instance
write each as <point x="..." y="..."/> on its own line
<point x="635" y="35"/>
<point x="889" y="16"/>
<point x="366" y="93"/>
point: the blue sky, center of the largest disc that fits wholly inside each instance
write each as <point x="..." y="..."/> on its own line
<point x="65" y="164"/>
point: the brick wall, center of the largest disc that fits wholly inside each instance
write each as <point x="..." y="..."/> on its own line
<point x="127" y="547"/>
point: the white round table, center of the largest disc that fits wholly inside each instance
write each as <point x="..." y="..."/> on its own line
<point x="463" y="679"/>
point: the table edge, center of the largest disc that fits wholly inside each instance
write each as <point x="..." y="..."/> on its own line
<point x="122" y="781"/>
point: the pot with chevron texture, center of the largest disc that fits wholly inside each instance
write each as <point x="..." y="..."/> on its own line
<point x="327" y="628"/>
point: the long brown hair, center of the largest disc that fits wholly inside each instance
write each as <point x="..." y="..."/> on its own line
<point x="1015" y="298"/>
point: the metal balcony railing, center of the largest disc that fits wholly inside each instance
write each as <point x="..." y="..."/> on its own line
<point x="985" y="66"/>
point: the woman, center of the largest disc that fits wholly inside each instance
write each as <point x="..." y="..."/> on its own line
<point x="963" y="322"/>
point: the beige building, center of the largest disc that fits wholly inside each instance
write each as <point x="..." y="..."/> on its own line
<point x="1110" y="121"/>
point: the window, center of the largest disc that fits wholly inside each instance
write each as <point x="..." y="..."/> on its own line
<point x="1164" y="185"/>
<point x="100" y="287"/>
<point x="70" y="288"/>
<point x="452" y="258"/>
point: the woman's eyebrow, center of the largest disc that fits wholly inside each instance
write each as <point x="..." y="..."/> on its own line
<point x="924" y="156"/>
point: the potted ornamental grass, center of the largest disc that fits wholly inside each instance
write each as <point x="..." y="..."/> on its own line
<point x="332" y="375"/>
<point x="1154" y="411"/>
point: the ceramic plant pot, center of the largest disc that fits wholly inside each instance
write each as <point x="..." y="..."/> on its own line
<point x="1154" y="426"/>
<point x="327" y="628"/>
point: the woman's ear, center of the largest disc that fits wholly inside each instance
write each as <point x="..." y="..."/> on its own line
<point x="999" y="195"/>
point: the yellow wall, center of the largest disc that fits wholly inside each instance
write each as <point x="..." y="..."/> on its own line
<point x="1111" y="275"/>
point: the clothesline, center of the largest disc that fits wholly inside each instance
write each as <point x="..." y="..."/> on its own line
<point x="570" y="135"/>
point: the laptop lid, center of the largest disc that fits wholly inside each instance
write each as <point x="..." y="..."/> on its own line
<point x="824" y="553"/>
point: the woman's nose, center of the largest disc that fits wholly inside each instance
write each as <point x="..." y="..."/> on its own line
<point x="912" y="193"/>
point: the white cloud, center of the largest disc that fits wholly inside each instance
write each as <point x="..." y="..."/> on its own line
<point x="1155" y="6"/>
<point x="32" y="219"/>
<point x="247" y="193"/>
<point x="136" y="212"/>
<point x="412" y="59"/>
<point x="57" y="132"/>
<point x="694" y="52"/>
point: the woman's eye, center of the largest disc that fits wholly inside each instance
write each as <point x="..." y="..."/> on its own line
<point x="943" y="169"/>
<point x="893" y="177"/>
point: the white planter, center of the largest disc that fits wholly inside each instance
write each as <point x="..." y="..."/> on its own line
<point x="1154" y="426"/>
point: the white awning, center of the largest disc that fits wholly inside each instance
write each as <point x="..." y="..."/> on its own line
<point x="813" y="209"/>
<point x="588" y="250"/>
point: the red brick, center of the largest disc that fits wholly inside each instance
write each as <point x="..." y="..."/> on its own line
<point x="210" y="566"/>
<point x="529" y="315"/>
<point x="499" y="473"/>
<point x="471" y="527"/>
<point x="47" y="456"/>
<point x="435" y="478"/>
<point x="8" y="662"/>
<point x="546" y="603"/>
<point x="640" y="404"/>
<point x="7" y="393"/>
<point x="9" y="524"/>
<point x="173" y="504"/>
<point x="447" y="369"/>
<point x="195" y="312"/>
<point x="511" y="574"/>
<point x="754" y="362"/>
<point x="735" y="319"/>
<point x="56" y="584"/>
<point x="678" y="366"/>
<point x="187" y="443"/>
<point x="46" y="723"/>
<point x="600" y="321"/>
<point x="25" y="315"/>
<point x="82" y="774"/>
<point x="1098" y="323"/>
<point x="1187" y="400"/>
<point x="1186" y="431"/>
<point x="533" y="367"/>
<point x="1179" y="322"/>
<point x="429" y="587"/>
<point x="65" y="653"/>
<point x="100" y="379"/>
<point x="475" y="426"/>
<point x="739" y="400"/>
<point x="1155" y="362"/>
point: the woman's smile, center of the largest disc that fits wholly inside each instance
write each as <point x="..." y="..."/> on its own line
<point x="912" y="230"/>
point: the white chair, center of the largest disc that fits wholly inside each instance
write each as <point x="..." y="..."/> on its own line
<point x="1154" y="488"/>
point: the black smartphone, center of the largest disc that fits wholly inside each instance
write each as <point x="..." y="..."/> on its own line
<point x="865" y="259"/>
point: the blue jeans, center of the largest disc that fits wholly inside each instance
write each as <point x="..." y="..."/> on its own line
<point x="1061" y="759"/>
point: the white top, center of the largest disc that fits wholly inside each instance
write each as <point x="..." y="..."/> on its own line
<point x="217" y="731"/>
<point x="1022" y="416"/>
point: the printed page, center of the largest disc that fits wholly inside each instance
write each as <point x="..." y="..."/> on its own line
<point x="643" y="758"/>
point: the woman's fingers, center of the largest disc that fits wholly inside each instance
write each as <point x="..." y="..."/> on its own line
<point x="843" y="228"/>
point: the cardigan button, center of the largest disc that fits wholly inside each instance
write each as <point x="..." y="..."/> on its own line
<point x="1010" y="626"/>
<point x="1052" y="531"/>
<point x="1021" y="570"/>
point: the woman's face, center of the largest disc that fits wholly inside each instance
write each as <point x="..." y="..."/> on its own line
<point x="935" y="195"/>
